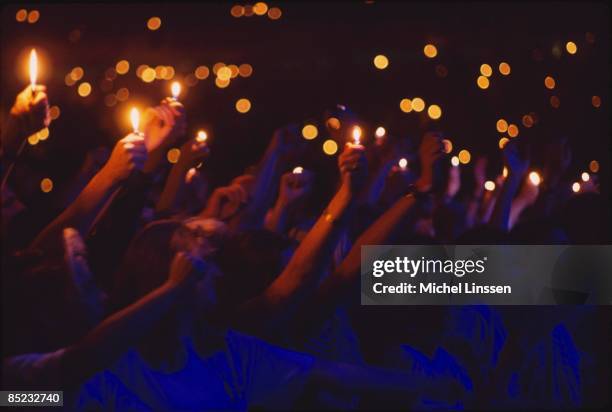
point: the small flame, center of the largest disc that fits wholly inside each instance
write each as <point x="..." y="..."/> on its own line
<point x="535" y="178"/>
<point x="489" y="185"/>
<point x="380" y="132"/>
<point x="356" y="135"/>
<point x="403" y="163"/>
<point x="135" y="118"/>
<point x="505" y="172"/>
<point x="455" y="161"/>
<point x="585" y="177"/>
<point x="33" y="68"/>
<point x="298" y="170"/>
<point x="176" y="89"/>
<point x="202" y="136"/>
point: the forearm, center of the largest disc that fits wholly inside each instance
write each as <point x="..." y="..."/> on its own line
<point x="276" y="218"/>
<point x="109" y="340"/>
<point x="82" y="212"/>
<point x="501" y="213"/>
<point x="472" y="208"/>
<point x="377" y="184"/>
<point x="175" y="183"/>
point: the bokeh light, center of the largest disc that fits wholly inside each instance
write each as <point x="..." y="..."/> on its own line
<point x="455" y="161"/>
<point x="46" y="185"/>
<point x="21" y="15"/>
<point x="434" y="111"/>
<point x="503" y="142"/>
<point x="464" y="156"/>
<point x="596" y="101"/>
<point x="243" y="105"/>
<point x="202" y="72"/>
<point x="173" y="155"/>
<point x="406" y="105"/>
<point x="418" y="104"/>
<point x="549" y="82"/>
<point x="380" y="132"/>
<point x="486" y="70"/>
<point x="122" y="67"/>
<point x="534" y="178"/>
<point x="594" y="166"/>
<point x="504" y="68"/>
<point x="430" y="51"/>
<point x="310" y="131"/>
<point x="489" y="185"/>
<point x="513" y="130"/>
<point x="154" y="23"/>
<point x="333" y="123"/>
<point x="245" y="70"/>
<point x="33" y="16"/>
<point x="447" y="145"/>
<point x="274" y="13"/>
<point x="330" y="147"/>
<point x="571" y="47"/>
<point x="501" y="125"/>
<point x="84" y="89"/>
<point x="576" y="187"/>
<point x="555" y="102"/>
<point x="482" y="82"/>
<point x="585" y="177"/>
<point x="381" y="62"/>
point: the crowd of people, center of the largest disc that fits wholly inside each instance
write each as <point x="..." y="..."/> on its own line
<point x="148" y="289"/>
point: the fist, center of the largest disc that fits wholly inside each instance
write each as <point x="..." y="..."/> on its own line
<point x="353" y="167"/>
<point x="33" y="108"/>
<point x="164" y="124"/>
<point x="294" y="186"/>
<point x="192" y="153"/>
<point x="130" y="153"/>
<point x="430" y="150"/>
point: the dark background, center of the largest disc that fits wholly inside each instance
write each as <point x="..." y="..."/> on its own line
<point x="316" y="55"/>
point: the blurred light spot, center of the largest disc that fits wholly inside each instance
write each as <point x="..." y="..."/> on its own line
<point x="122" y="67"/>
<point x="464" y="156"/>
<point x="381" y="62"/>
<point x="330" y="147"/>
<point x="84" y="89"/>
<point x="594" y="166"/>
<point x="486" y="70"/>
<point x="248" y="10"/>
<point x="406" y="105"/>
<point x="584" y="176"/>
<point x="221" y="84"/>
<point x="555" y="102"/>
<point x="489" y="185"/>
<point x="148" y="75"/>
<point x="455" y="161"/>
<point x="430" y="51"/>
<point x="245" y="70"/>
<point x="173" y="155"/>
<point x="154" y="23"/>
<point x="576" y="187"/>
<point x="274" y="13"/>
<point x="54" y="112"/>
<point x="21" y="15"/>
<point x="549" y="82"/>
<point x="310" y="132"/>
<point x="535" y="178"/>
<point x="202" y="136"/>
<point x="122" y="94"/>
<point x="33" y="16"/>
<point x="527" y="121"/>
<point x="298" y="170"/>
<point x="46" y="185"/>
<point x="140" y="70"/>
<point x="503" y="142"/>
<point x="501" y="125"/>
<point x="234" y="70"/>
<point x="77" y="73"/>
<point x="448" y="146"/>
<point x="434" y="111"/>
<point x="482" y="82"/>
<point x="504" y="68"/>
<point x="571" y="47"/>
<point x="237" y="11"/>
<point x="513" y="130"/>
<point x="217" y="66"/>
<point x="418" y="104"/>
<point x="33" y="138"/>
<point x="43" y="134"/>
<point x="403" y="163"/>
<point x="243" y="105"/>
<point x="224" y="73"/>
<point x="441" y="70"/>
<point x="596" y="101"/>
<point x="202" y="72"/>
<point x="333" y="123"/>
<point x="69" y="80"/>
<point x="380" y="131"/>
<point x="260" y="8"/>
<point x="160" y="72"/>
<point x="505" y="172"/>
<point x="169" y="75"/>
<point x="110" y="100"/>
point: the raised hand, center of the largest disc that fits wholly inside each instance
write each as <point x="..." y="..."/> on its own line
<point x="32" y="109"/>
<point x="294" y="187"/>
<point x="192" y="153"/>
<point x="225" y="202"/>
<point x="430" y="150"/>
<point x="516" y="162"/>
<point x="353" y="167"/>
<point x="185" y="269"/>
<point x="130" y="153"/>
<point x="164" y="124"/>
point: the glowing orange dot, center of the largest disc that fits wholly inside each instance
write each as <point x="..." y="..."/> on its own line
<point x="54" y="112"/>
<point x="245" y="70"/>
<point x="33" y="16"/>
<point x="77" y="73"/>
<point x="260" y="8"/>
<point x="243" y="105"/>
<point x="310" y="132"/>
<point x="504" y="68"/>
<point x="154" y="23"/>
<point x="274" y="13"/>
<point x="448" y="146"/>
<point x="381" y="62"/>
<point x="148" y="75"/>
<point x="237" y="11"/>
<point x="482" y="82"/>
<point x="217" y="66"/>
<point x="434" y="111"/>
<point x="430" y="51"/>
<point x="43" y="134"/>
<point x="571" y="47"/>
<point x="513" y="130"/>
<point x="596" y="101"/>
<point x="486" y="70"/>
<point x="333" y="123"/>
<point x="330" y="147"/>
<point x="202" y="72"/>
<point x="527" y="121"/>
<point x="224" y="73"/>
<point x="122" y="67"/>
<point x="406" y="105"/>
<point x="169" y="73"/>
<point x="501" y="125"/>
<point x="46" y="185"/>
<point x="576" y="187"/>
<point x="549" y="82"/>
<point x="594" y="166"/>
<point x="234" y="70"/>
<point x="464" y="157"/>
<point x="84" y="89"/>
<point x="21" y="15"/>
<point x="503" y="142"/>
<point x="418" y="104"/>
<point x="555" y="102"/>
<point x="173" y="155"/>
<point x="220" y="83"/>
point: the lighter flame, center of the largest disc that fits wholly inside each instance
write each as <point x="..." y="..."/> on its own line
<point x="135" y="118"/>
<point x="356" y="135"/>
<point x="298" y="170"/>
<point x="176" y="89"/>
<point x="403" y="163"/>
<point x="33" y="68"/>
<point x="202" y="136"/>
<point x="489" y="185"/>
<point x="535" y="178"/>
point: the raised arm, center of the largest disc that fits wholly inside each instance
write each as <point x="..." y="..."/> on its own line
<point x="109" y="340"/>
<point x="129" y="154"/>
<point x="293" y="188"/>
